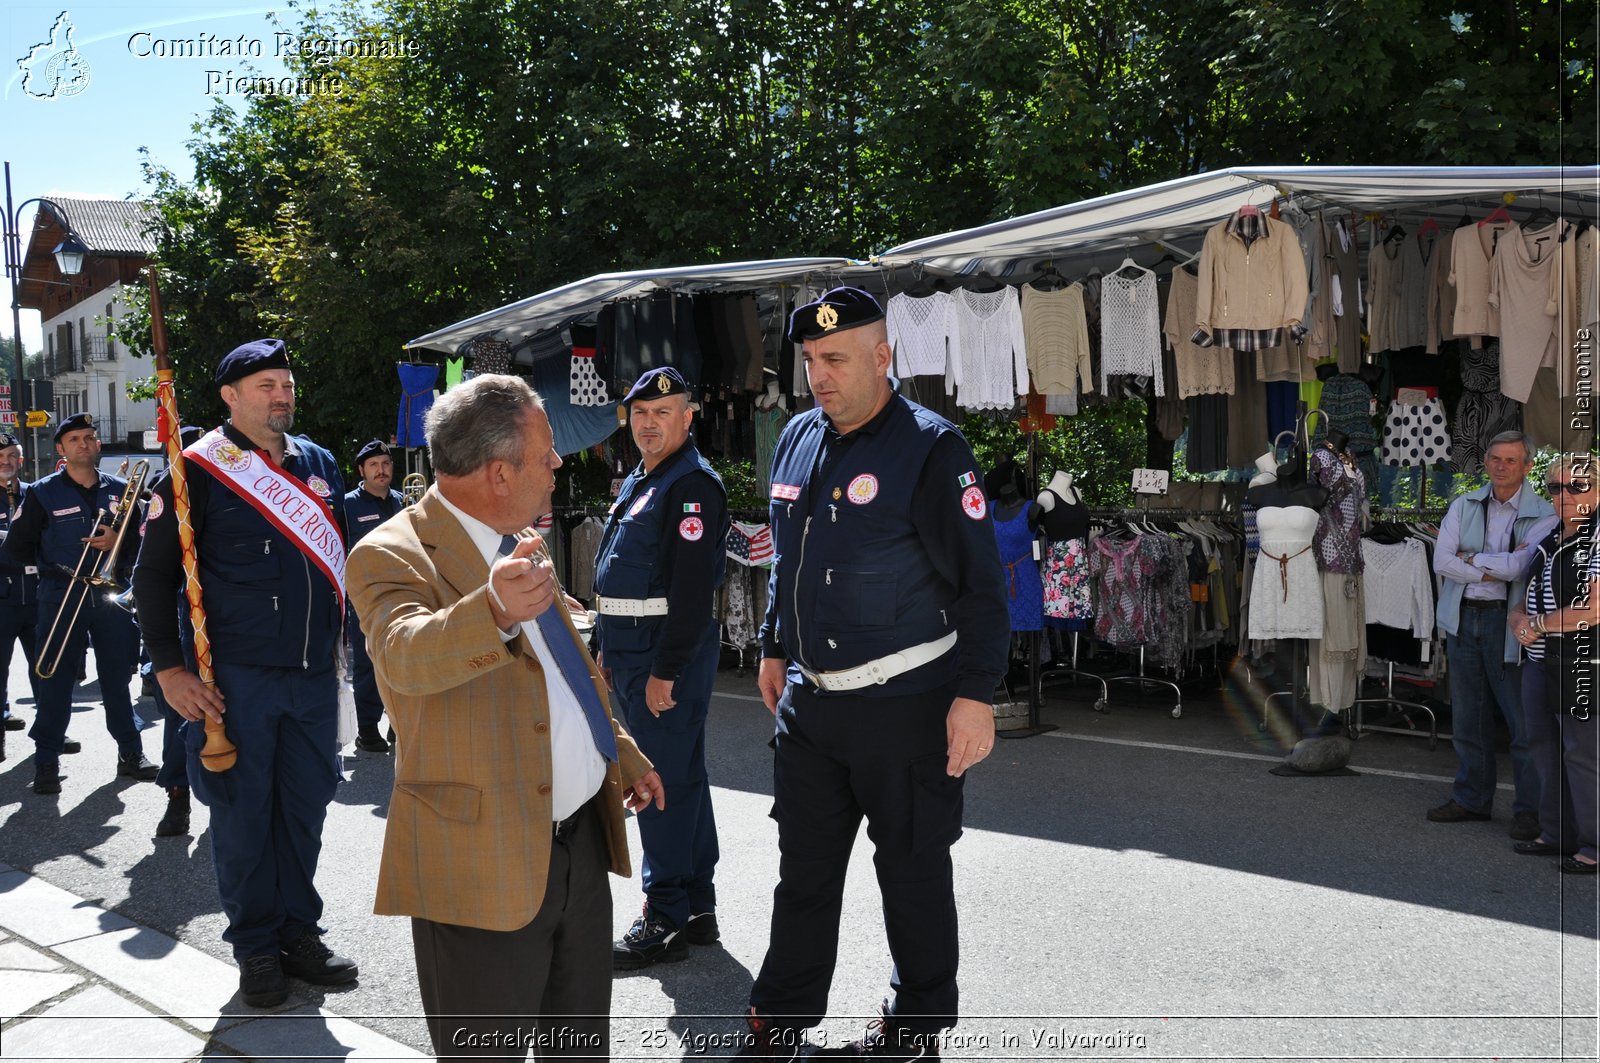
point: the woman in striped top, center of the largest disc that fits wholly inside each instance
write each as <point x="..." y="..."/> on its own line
<point x="1558" y="626"/>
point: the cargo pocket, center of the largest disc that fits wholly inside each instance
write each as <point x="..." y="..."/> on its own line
<point x="936" y="804"/>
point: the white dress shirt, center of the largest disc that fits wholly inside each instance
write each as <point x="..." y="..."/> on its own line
<point x="577" y="770"/>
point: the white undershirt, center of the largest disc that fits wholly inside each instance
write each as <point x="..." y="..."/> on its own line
<point x="577" y="770"/>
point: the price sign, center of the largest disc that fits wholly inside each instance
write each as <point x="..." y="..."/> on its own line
<point x="616" y="486"/>
<point x="1150" y="481"/>
<point x="37" y="419"/>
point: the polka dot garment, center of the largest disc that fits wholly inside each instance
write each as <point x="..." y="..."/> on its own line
<point x="1416" y="435"/>
<point x="587" y="387"/>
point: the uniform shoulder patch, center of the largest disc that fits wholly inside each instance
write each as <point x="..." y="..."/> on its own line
<point x="973" y="504"/>
<point x="691" y="529"/>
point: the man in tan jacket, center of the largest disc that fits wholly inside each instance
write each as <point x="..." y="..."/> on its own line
<point x="510" y="775"/>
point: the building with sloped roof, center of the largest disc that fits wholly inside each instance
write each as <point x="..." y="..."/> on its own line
<point x="87" y="366"/>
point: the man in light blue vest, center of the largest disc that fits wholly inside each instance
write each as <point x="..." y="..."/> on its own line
<point x="1485" y="547"/>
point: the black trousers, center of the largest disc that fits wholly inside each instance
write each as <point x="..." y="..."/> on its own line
<point x="491" y="994"/>
<point x="839" y="760"/>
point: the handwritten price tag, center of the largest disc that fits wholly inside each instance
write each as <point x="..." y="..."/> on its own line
<point x="1150" y="481"/>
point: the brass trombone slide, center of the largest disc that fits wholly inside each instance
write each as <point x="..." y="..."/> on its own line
<point x="92" y="573"/>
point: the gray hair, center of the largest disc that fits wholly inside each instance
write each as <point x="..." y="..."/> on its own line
<point x="479" y="421"/>
<point x="1579" y="465"/>
<point x="1514" y="436"/>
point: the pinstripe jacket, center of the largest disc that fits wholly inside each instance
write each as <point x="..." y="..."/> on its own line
<point x="469" y="826"/>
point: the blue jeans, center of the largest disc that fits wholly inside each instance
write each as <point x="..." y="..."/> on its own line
<point x="1557" y="820"/>
<point x="1480" y="680"/>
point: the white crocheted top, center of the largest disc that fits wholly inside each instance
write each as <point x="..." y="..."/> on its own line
<point x="988" y="356"/>
<point x="918" y="327"/>
<point x="1130" y="328"/>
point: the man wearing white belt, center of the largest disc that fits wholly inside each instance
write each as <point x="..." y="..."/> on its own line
<point x="658" y="567"/>
<point x="885" y="636"/>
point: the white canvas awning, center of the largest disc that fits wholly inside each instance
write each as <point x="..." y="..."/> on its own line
<point x="530" y="315"/>
<point x="1176" y="213"/>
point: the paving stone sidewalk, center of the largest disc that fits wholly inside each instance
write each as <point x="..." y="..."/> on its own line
<point x="79" y="982"/>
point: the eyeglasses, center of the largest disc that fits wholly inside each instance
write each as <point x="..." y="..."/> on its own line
<point x="1576" y="487"/>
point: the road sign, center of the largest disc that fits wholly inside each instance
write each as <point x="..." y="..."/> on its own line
<point x="37" y="419"/>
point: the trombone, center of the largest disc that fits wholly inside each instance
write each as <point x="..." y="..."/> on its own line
<point x="93" y="573"/>
<point x="413" y="487"/>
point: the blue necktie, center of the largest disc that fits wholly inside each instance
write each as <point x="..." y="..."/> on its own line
<point x="569" y="659"/>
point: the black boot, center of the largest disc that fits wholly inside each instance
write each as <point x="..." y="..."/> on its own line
<point x="176" y="820"/>
<point x="136" y="766"/>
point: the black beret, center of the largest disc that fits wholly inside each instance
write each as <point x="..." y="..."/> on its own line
<point x="73" y="423"/>
<point x="657" y="384"/>
<point x="840" y="309"/>
<point x="190" y="434"/>
<point x="9" y="440"/>
<point x="252" y="357"/>
<point x="373" y="449"/>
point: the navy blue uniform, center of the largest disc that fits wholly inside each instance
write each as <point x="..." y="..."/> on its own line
<point x="665" y="538"/>
<point x="274" y="622"/>
<point x="364" y="511"/>
<point x="19" y="600"/>
<point x="881" y="546"/>
<point x="57" y="515"/>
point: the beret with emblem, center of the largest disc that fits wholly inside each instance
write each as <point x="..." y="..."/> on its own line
<point x="190" y="434"/>
<point x="376" y="448"/>
<point x="9" y="440"/>
<point x="252" y="357"/>
<point x="840" y="309"/>
<point x="657" y="384"/>
<point x="73" y="424"/>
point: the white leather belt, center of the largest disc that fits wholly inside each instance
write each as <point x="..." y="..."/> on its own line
<point x="880" y="671"/>
<point x="630" y="606"/>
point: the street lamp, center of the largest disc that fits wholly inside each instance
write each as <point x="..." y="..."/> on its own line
<point x="69" y="255"/>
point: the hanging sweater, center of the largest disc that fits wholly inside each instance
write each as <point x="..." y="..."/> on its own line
<point x="1201" y="370"/>
<point x="1057" y="335"/>
<point x="1130" y="327"/>
<point x="918" y="327"/>
<point x="1520" y="289"/>
<point x="1471" y="257"/>
<point x="1441" y="305"/>
<point x="988" y="354"/>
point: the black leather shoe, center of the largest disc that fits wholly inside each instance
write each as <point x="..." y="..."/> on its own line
<point x="370" y="740"/>
<point x="14" y="723"/>
<point x="702" y="929"/>
<point x="47" y="778"/>
<point x="1525" y="827"/>
<point x="649" y="940"/>
<point x="886" y="1039"/>
<point x="1450" y="812"/>
<point x="176" y="820"/>
<point x="1535" y="848"/>
<point x="136" y="766"/>
<point x="261" y="982"/>
<point x="309" y="960"/>
<point x="70" y="746"/>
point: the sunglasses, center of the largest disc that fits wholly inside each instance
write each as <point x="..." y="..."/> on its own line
<point x="1576" y="487"/>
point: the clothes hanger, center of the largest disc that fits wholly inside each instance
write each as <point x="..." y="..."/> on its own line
<point x="1130" y="269"/>
<point x="1049" y="278"/>
<point x="1249" y="210"/>
<point x="1429" y="227"/>
<point x="984" y="282"/>
<point x="1498" y="216"/>
<point x="1542" y="217"/>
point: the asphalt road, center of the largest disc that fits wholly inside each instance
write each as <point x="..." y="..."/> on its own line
<point x="1131" y="887"/>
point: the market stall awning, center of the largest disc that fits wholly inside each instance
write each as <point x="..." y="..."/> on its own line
<point x="1175" y="213"/>
<point x="557" y="305"/>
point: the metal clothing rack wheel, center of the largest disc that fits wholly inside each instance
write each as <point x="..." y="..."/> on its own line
<point x="1389" y="699"/>
<point x="1147" y="680"/>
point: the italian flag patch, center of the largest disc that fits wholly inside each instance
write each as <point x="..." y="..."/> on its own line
<point x="691" y="507"/>
<point x="967" y="479"/>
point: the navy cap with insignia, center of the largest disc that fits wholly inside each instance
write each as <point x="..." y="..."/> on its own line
<point x="657" y="384"/>
<point x="190" y="434"/>
<point x="73" y="424"/>
<point x="838" y="310"/>
<point x="374" y="449"/>
<point x="252" y="357"/>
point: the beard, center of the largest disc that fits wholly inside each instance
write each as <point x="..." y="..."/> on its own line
<point x="280" y="421"/>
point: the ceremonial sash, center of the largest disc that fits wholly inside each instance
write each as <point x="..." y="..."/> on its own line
<point x="296" y="510"/>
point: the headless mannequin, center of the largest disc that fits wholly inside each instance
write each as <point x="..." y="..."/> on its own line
<point x="1267" y="470"/>
<point x="1065" y="516"/>
<point x="1289" y="489"/>
<point x="1009" y="501"/>
<point x="770" y="397"/>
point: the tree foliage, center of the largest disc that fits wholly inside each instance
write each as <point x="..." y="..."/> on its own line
<point x="532" y="143"/>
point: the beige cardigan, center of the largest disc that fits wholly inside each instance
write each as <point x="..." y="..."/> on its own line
<point x="1263" y="286"/>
